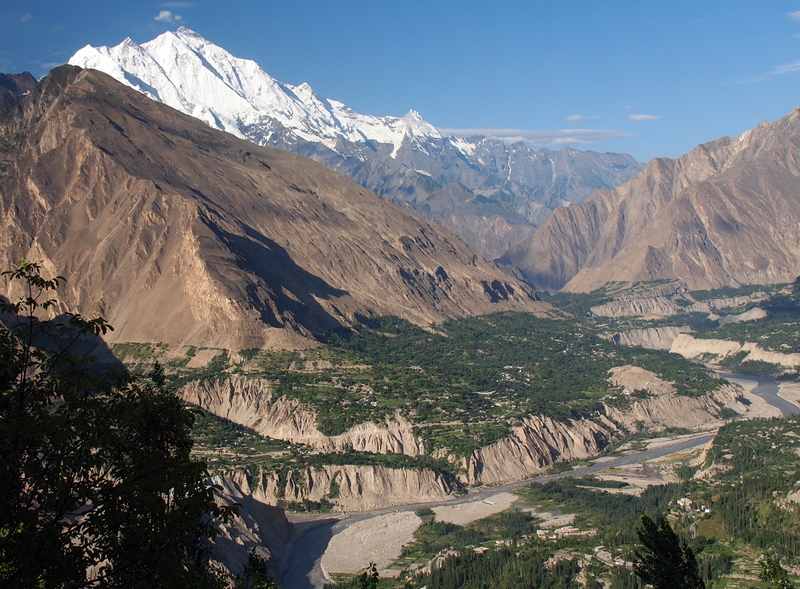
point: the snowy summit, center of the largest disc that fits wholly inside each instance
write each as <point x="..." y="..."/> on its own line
<point x="191" y="74"/>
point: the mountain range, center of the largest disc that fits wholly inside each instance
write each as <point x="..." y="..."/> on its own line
<point x="179" y="233"/>
<point x="725" y="214"/>
<point x="491" y="194"/>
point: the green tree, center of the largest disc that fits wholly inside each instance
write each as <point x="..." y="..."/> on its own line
<point x="369" y="578"/>
<point x="97" y="487"/>
<point x="663" y="561"/>
<point x="772" y="572"/>
<point x="255" y="574"/>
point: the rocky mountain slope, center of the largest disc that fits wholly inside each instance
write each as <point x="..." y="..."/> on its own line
<point x="490" y="194"/>
<point x="176" y="232"/>
<point x="725" y="214"/>
<point x="19" y="84"/>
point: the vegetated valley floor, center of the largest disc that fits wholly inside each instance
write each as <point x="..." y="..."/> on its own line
<point x="462" y="384"/>
<point x="487" y="373"/>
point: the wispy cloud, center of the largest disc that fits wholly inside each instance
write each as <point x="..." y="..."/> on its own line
<point x="786" y="68"/>
<point x="167" y="16"/>
<point x="643" y="117"/>
<point x="541" y="138"/>
<point x="699" y="21"/>
<point x="25" y="17"/>
<point x="177" y="4"/>
<point x="573" y="118"/>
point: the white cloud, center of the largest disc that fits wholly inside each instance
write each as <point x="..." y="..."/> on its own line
<point x="25" y="17"/>
<point x="580" y="117"/>
<point x="167" y="16"/>
<point x="533" y="137"/>
<point x="643" y="117"/>
<point x="794" y="15"/>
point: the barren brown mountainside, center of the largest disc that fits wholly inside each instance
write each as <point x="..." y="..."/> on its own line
<point x="725" y="214"/>
<point x="178" y="233"/>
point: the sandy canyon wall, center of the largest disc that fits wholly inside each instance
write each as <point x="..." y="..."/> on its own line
<point x="529" y="448"/>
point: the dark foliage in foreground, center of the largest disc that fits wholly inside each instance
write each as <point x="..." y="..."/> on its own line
<point x="97" y="487"/>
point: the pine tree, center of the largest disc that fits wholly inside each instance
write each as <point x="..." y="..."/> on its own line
<point x="772" y="572"/>
<point x="663" y="561"/>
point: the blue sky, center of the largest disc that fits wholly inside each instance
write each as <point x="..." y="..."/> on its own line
<point x="645" y="78"/>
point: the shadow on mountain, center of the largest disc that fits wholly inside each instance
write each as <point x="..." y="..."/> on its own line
<point x="283" y="292"/>
<point x="66" y="338"/>
<point x="304" y="570"/>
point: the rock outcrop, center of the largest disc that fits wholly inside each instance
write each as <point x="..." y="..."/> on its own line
<point x="250" y="402"/>
<point x="637" y="306"/>
<point x="753" y="314"/>
<point x="713" y="305"/>
<point x="725" y="214"/>
<point x="178" y="233"/>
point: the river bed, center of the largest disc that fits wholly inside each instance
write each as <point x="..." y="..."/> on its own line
<point x="308" y="557"/>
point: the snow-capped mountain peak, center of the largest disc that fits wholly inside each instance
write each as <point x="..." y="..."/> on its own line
<point x="489" y="193"/>
<point x="189" y="73"/>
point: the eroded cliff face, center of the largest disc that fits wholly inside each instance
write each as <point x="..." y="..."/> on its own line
<point x="257" y="526"/>
<point x="250" y="402"/>
<point x="663" y="305"/>
<point x="696" y="348"/>
<point x="529" y="448"/>
<point x="534" y="446"/>
<point x="348" y="487"/>
<point x="664" y="408"/>
<point x="540" y="441"/>
<point x="653" y="338"/>
<point x="637" y="307"/>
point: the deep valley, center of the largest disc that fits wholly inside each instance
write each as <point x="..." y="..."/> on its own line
<point x="352" y="378"/>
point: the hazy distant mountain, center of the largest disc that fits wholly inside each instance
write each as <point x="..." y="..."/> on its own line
<point x="180" y="233"/>
<point x="491" y="194"/>
<point x="727" y="213"/>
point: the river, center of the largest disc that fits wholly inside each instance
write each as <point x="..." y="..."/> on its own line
<point x="304" y="570"/>
<point x="767" y="389"/>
